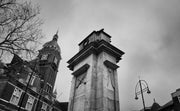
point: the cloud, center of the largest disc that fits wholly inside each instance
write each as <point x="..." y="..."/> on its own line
<point x="146" y="30"/>
<point x="151" y="44"/>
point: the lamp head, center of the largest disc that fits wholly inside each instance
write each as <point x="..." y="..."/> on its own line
<point x="136" y="98"/>
<point x="148" y="91"/>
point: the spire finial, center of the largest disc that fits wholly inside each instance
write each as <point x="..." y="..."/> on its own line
<point x="55" y="37"/>
<point x="57" y="31"/>
<point x="154" y="100"/>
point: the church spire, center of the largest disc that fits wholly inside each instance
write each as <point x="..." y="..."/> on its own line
<point x="55" y="37"/>
<point x="154" y="100"/>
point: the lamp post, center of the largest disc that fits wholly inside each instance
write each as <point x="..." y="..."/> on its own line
<point x="142" y="90"/>
<point x="27" y="85"/>
<point x="25" y="91"/>
<point x="39" y="94"/>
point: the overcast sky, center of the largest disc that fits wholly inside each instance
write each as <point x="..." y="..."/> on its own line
<point x="148" y="31"/>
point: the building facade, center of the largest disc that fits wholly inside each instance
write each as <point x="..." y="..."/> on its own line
<point x="28" y="85"/>
<point x="174" y="104"/>
<point x="94" y="84"/>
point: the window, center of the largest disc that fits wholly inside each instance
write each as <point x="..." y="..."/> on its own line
<point x="44" y="57"/>
<point x="44" y="107"/>
<point x="16" y="96"/>
<point x="48" y="88"/>
<point x="32" y="79"/>
<point x="29" y="103"/>
<point x="55" y="60"/>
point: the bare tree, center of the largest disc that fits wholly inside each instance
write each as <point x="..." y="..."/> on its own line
<point x="19" y="27"/>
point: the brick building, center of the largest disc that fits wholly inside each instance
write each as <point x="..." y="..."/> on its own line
<point x="28" y="85"/>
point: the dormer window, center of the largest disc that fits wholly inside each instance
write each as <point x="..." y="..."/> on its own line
<point x="44" y="57"/>
<point x="32" y="79"/>
<point x="48" y="88"/>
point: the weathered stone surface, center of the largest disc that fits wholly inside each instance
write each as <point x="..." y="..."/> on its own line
<point x="98" y="91"/>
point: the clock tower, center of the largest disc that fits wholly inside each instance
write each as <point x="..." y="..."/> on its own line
<point x="49" y="59"/>
<point x="94" y="84"/>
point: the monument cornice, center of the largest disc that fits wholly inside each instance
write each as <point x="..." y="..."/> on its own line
<point x="111" y="65"/>
<point x="81" y="70"/>
<point x="95" y="48"/>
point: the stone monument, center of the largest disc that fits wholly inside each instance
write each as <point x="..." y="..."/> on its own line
<point x="94" y="84"/>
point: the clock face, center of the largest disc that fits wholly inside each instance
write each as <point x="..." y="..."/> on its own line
<point x="44" y="57"/>
<point x="80" y="93"/>
<point x="80" y="80"/>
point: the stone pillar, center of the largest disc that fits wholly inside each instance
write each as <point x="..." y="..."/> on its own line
<point x="94" y="84"/>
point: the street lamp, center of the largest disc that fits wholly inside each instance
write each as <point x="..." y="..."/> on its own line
<point x="28" y="83"/>
<point x="25" y="91"/>
<point x="40" y="93"/>
<point x="142" y="90"/>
